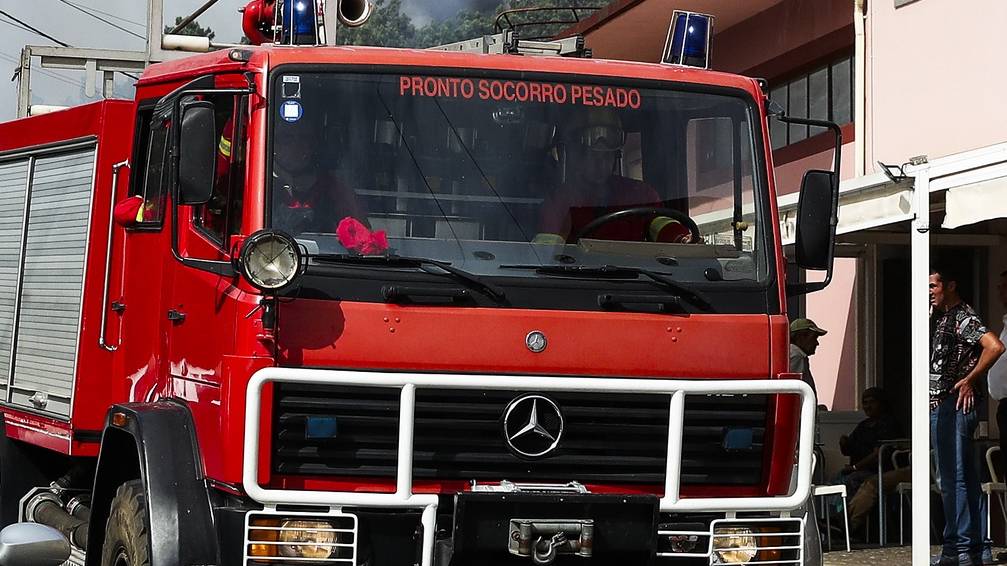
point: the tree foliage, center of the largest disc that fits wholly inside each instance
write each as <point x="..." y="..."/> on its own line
<point x="387" y="27"/>
<point x="390" y="27"/>
<point x="192" y="28"/>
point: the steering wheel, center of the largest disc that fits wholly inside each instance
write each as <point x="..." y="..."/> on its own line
<point x="604" y="219"/>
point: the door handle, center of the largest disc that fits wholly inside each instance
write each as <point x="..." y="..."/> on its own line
<point x="176" y="316"/>
<point x="108" y="261"/>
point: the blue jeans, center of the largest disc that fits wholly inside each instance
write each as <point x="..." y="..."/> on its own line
<point x="951" y="437"/>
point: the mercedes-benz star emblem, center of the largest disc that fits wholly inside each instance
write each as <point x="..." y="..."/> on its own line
<point x="536" y="341"/>
<point x="532" y="426"/>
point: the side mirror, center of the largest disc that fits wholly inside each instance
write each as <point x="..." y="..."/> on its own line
<point x="32" y="544"/>
<point x="197" y="153"/>
<point x="817" y="217"/>
<point x="816" y="234"/>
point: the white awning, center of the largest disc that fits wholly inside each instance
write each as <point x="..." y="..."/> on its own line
<point x="975" y="181"/>
<point x="865" y="202"/>
<point x="976" y="202"/>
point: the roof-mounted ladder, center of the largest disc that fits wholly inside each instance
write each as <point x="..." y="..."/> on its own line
<point x="508" y="42"/>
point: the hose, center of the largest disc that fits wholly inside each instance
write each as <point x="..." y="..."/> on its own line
<point x="47" y="509"/>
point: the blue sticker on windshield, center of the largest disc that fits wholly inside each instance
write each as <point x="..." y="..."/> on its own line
<point x="291" y="111"/>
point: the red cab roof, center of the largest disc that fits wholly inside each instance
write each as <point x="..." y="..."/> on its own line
<point x="264" y="57"/>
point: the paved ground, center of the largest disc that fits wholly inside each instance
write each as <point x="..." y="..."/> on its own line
<point x="871" y="556"/>
<point x="895" y="555"/>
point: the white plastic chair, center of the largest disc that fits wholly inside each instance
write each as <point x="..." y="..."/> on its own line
<point x="995" y="486"/>
<point x="905" y="490"/>
<point x="824" y="491"/>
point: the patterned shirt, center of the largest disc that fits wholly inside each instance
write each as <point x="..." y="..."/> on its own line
<point x="954" y="349"/>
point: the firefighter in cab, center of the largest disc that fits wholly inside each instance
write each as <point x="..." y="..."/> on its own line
<point x="307" y="195"/>
<point x="590" y="146"/>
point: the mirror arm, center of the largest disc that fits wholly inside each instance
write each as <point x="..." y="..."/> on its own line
<point x="805" y="288"/>
<point x="834" y="127"/>
<point x="795" y="289"/>
<point x="222" y="268"/>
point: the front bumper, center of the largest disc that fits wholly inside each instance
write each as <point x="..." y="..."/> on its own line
<point x="427" y="504"/>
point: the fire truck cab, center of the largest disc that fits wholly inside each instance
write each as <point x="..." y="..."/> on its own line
<point x="364" y="306"/>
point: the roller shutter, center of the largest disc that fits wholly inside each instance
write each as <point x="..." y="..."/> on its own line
<point x="52" y="282"/>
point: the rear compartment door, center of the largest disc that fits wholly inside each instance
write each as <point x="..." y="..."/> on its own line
<point x="52" y="256"/>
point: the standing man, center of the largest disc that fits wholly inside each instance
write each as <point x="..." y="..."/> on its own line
<point x="804" y="335"/>
<point x="997" y="382"/>
<point x="961" y="350"/>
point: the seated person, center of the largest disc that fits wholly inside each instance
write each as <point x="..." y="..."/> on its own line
<point x="306" y="195"/>
<point x="863" y="502"/>
<point x="591" y="144"/>
<point x="862" y="444"/>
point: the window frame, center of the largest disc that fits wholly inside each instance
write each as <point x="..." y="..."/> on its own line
<point x="805" y="73"/>
<point x="762" y="171"/>
<point x="142" y="139"/>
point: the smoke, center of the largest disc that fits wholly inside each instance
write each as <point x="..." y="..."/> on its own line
<point x="423" y="12"/>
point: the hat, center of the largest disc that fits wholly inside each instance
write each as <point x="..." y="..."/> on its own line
<point x="597" y="129"/>
<point x="806" y="324"/>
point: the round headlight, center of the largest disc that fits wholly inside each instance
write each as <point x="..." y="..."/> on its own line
<point x="306" y="539"/>
<point x="734" y="546"/>
<point x="270" y="260"/>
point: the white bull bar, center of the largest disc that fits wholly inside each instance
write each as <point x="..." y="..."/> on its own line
<point x="407" y="383"/>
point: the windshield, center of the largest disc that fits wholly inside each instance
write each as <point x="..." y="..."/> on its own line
<point x="498" y="176"/>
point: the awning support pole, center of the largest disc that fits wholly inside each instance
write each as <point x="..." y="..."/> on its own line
<point x="920" y="364"/>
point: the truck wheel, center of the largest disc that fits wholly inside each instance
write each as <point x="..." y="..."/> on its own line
<point x="126" y="533"/>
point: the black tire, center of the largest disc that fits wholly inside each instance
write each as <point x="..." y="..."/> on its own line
<point x="127" y="533"/>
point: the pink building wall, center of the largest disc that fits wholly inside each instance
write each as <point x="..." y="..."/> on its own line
<point x="835" y="309"/>
<point x="789" y="174"/>
<point x="935" y="78"/>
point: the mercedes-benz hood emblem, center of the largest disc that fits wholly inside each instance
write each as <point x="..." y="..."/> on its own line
<point x="536" y="341"/>
<point x="533" y="426"/>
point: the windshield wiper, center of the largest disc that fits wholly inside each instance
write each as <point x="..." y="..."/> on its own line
<point x="620" y="272"/>
<point x="421" y="263"/>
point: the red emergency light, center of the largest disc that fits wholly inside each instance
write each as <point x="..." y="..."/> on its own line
<point x="257" y="21"/>
<point x="297" y="22"/>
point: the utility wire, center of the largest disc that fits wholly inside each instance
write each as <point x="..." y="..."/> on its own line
<point x="35" y="30"/>
<point x="110" y="15"/>
<point x="103" y="20"/>
<point x="15" y="26"/>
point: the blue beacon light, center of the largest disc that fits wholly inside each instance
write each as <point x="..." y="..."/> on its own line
<point x="299" y="22"/>
<point x="688" y="40"/>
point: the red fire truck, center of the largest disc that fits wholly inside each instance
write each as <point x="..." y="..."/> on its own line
<point x="299" y="304"/>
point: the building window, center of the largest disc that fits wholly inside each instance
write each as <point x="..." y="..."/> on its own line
<point x="825" y="93"/>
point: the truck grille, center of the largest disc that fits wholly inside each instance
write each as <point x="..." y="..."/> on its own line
<point x="608" y="438"/>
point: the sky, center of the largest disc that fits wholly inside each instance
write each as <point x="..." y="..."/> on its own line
<point x="62" y="21"/>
